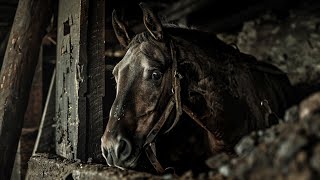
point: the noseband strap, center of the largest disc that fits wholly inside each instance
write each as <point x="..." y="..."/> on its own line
<point x="175" y="100"/>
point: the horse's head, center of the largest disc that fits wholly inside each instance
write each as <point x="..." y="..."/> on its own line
<point x="144" y="88"/>
<point x="222" y="85"/>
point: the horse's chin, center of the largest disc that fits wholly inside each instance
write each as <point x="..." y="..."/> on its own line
<point x="130" y="163"/>
<point x="137" y="163"/>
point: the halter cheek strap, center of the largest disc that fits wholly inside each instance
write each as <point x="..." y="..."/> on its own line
<point x="176" y="77"/>
<point x="175" y="100"/>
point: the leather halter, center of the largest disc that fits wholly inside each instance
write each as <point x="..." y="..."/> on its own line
<point x="175" y="100"/>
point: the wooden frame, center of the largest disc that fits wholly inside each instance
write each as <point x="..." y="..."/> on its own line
<point x="80" y="79"/>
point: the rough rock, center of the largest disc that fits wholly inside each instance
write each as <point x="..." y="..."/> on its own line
<point x="288" y="150"/>
<point x="291" y="43"/>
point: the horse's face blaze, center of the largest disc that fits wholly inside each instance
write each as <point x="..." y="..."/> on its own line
<point x="140" y="78"/>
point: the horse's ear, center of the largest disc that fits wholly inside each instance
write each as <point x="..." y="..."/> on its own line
<point x="123" y="33"/>
<point x="152" y="22"/>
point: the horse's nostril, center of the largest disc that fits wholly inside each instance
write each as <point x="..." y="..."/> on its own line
<point x="123" y="150"/>
<point x="121" y="147"/>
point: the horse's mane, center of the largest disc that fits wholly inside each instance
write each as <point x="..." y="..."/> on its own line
<point x="200" y="38"/>
<point x="210" y="45"/>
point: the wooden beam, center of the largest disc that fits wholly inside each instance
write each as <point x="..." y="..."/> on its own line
<point x="71" y="80"/>
<point x="183" y="8"/>
<point x="32" y="118"/>
<point x="3" y="46"/>
<point x="96" y="78"/>
<point x="31" y="19"/>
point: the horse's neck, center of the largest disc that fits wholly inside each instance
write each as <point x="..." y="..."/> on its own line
<point x="192" y="54"/>
<point x="201" y="61"/>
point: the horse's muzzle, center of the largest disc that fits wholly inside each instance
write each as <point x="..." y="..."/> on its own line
<point x="116" y="151"/>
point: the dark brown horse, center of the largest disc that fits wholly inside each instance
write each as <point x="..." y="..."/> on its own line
<point x="184" y="95"/>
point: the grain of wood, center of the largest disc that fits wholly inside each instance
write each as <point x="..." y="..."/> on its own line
<point x="18" y="68"/>
<point x="71" y="80"/>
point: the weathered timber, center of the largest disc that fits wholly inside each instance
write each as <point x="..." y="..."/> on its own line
<point x="96" y="78"/>
<point x="71" y="80"/>
<point x="32" y="119"/>
<point x="16" y="171"/>
<point x="3" y="46"/>
<point x="18" y="68"/>
<point x="183" y="8"/>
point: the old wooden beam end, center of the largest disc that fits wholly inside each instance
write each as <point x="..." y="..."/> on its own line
<point x="20" y="60"/>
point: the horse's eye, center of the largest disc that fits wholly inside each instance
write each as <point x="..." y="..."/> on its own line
<point x="156" y="75"/>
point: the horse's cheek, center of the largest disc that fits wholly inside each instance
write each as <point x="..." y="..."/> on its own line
<point x="143" y="99"/>
<point x="149" y="94"/>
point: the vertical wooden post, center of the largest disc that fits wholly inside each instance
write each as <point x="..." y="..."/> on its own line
<point x="31" y="19"/>
<point x="3" y="45"/>
<point x="71" y="80"/>
<point x="96" y="78"/>
<point x="32" y="117"/>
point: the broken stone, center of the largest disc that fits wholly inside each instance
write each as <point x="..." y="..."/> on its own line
<point x="217" y="160"/>
<point x="310" y="106"/>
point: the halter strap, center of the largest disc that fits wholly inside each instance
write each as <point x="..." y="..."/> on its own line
<point x="157" y="127"/>
<point x="153" y="158"/>
<point x="176" y="77"/>
<point x="175" y="100"/>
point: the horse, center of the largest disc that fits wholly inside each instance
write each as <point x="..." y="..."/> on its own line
<point x="183" y="95"/>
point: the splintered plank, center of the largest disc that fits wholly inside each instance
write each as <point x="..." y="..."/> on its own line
<point x="71" y="83"/>
<point x="96" y="78"/>
<point x="20" y="60"/>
